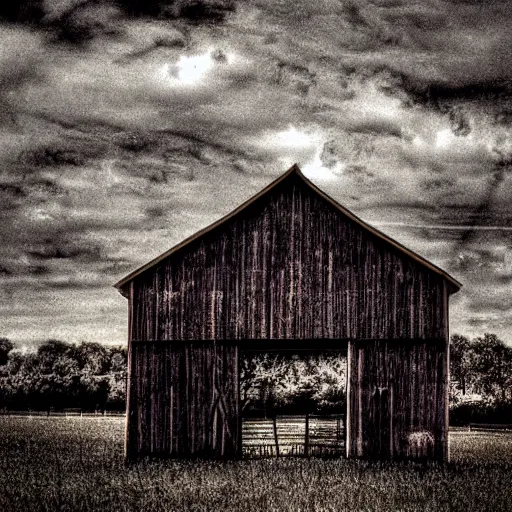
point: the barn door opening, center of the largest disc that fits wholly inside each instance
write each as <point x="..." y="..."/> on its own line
<point x="293" y="403"/>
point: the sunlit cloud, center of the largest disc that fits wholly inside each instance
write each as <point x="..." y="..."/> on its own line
<point x="418" y="141"/>
<point x="192" y="70"/>
<point x="294" y="138"/>
<point x="444" y="138"/>
<point x="305" y="148"/>
<point x="315" y="169"/>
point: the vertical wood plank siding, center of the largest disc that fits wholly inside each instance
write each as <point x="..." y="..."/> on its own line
<point x="397" y="400"/>
<point x="185" y="400"/>
<point x="289" y="266"/>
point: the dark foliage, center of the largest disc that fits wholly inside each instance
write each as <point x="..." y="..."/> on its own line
<point x="276" y="385"/>
<point x="5" y="347"/>
<point x="92" y="376"/>
<point x="61" y="375"/>
<point x="482" y="366"/>
<point x="481" y="412"/>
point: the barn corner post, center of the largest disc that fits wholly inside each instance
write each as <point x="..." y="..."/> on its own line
<point x="129" y="451"/>
<point x="348" y="419"/>
<point x="446" y="298"/>
<point x="239" y="447"/>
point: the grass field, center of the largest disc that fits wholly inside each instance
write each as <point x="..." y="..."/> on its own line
<point x="76" y="464"/>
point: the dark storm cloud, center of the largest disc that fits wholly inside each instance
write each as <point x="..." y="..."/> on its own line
<point x="73" y="21"/>
<point x="79" y="21"/>
<point x="442" y="184"/>
<point x="54" y="155"/>
<point x="135" y="141"/>
<point x="38" y="270"/>
<point x="213" y="11"/>
<point x="296" y="77"/>
<point x="376" y="127"/>
<point x="13" y="191"/>
<point x="22" y="11"/>
<point x="53" y="248"/>
<point x="441" y="94"/>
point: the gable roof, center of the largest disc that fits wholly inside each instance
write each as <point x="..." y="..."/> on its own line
<point x="294" y="169"/>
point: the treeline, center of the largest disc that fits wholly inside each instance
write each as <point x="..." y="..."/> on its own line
<point x="481" y="380"/>
<point x="61" y="375"/>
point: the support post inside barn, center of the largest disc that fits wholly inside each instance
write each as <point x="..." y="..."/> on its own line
<point x="288" y="267"/>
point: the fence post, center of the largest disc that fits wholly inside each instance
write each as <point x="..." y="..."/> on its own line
<point x="274" y="422"/>
<point x="306" y="440"/>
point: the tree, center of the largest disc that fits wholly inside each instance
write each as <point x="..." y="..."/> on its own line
<point x="492" y="363"/>
<point x="92" y="358"/>
<point x="51" y="351"/>
<point x="261" y="381"/>
<point x="117" y="377"/>
<point x="5" y="347"/>
<point x="293" y="384"/>
<point x="461" y="361"/>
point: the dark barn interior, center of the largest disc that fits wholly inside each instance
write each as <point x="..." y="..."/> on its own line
<point x="290" y="269"/>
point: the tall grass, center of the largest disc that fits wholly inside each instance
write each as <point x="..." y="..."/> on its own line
<point x="76" y="464"/>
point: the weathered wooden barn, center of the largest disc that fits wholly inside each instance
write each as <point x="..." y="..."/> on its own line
<point x="287" y="270"/>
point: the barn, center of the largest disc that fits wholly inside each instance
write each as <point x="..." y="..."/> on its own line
<point x="289" y="269"/>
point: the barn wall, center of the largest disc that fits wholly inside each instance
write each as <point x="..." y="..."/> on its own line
<point x="289" y="266"/>
<point x="183" y="400"/>
<point x="397" y="399"/>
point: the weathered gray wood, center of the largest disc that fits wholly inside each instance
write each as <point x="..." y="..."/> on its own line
<point x="397" y="397"/>
<point x="184" y="400"/>
<point x="289" y="266"/>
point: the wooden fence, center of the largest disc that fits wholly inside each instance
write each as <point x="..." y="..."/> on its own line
<point x="490" y="426"/>
<point x="64" y="413"/>
<point x="294" y="436"/>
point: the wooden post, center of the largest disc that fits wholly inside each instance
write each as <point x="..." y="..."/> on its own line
<point x="348" y="439"/>
<point x="274" y="422"/>
<point x="306" y="440"/>
<point x="446" y="383"/>
<point x="129" y="433"/>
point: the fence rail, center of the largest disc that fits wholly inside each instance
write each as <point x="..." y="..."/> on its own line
<point x="490" y="426"/>
<point x="65" y="413"/>
<point x="294" y="435"/>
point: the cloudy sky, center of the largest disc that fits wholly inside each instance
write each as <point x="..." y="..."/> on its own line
<point x="127" y="125"/>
